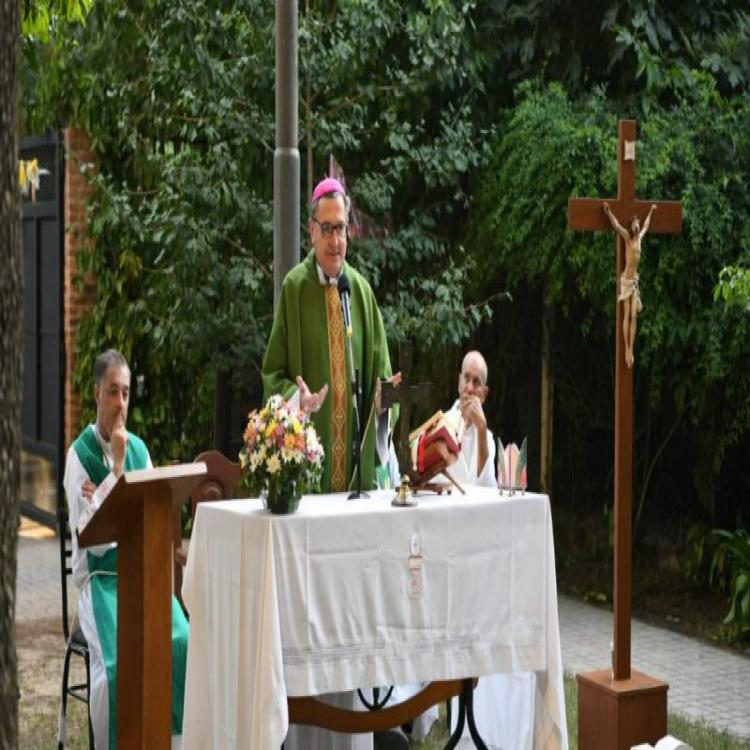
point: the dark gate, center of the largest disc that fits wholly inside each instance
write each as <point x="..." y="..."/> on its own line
<point x="44" y="356"/>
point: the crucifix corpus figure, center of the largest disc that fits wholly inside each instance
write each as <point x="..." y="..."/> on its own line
<point x="630" y="295"/>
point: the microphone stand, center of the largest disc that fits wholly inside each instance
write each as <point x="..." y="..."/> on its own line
<point x="343" y="287"/>
<point x="357" y="443"/>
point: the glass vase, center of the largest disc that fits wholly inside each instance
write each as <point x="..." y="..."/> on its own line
<point x="281" y="497"/>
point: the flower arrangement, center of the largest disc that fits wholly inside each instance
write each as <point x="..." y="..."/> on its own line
<point x="282" y="457"/>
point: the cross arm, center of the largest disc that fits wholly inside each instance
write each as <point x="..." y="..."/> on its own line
<point x="392" y="394"/>
<point x="667" y="219"/>
<point x="588" y="213"/>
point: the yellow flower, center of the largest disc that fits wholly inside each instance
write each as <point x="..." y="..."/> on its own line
<point x="273" y="463"/>
<point x="270" y="428"/>
<point x="296" y="426"/>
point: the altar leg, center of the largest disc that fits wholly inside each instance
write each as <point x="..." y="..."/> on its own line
<point x="460" y="717"/>
<point x="302" y="737"/>
<point x="469" y="690"/>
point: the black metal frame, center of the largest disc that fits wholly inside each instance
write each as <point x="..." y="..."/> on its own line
<point x="465" y="713"/>
<point x="76" y="641"/>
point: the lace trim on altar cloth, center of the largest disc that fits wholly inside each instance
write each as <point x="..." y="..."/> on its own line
<point x="299" y="658"/>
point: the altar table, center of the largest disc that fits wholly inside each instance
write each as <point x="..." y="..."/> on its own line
<point x="352" y="594"/>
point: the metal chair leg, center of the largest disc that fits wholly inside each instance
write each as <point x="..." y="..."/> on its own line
<point x="88" y="702"/>
<point x="62" y="729"/>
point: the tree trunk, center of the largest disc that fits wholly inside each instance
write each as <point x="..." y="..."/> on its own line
<point x="11" y="362"/>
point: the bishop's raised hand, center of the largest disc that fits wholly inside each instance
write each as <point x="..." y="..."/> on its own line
<point x="310" y="402"/>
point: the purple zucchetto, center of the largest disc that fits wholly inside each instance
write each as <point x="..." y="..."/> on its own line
<point x="328" y="185"/>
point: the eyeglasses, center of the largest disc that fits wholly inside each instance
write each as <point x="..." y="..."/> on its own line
<point x="327" y="229"/>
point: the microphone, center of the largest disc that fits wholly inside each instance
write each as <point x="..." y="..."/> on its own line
<point x="344" y="293"/>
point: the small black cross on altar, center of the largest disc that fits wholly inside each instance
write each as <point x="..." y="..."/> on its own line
<point x="404" y="394"/>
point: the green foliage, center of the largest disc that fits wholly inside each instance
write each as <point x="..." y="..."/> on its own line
<point x="734" y="286"/>
<point x="43" y="44"/>
<point x="669" y="44"/>
<point x="730" y="568"/>
<point x="180" y="218"/>
<point x="398" y="109"/>
<point x="178" y="100"/>
<point x="693" y="387"/>
<point x="644" y="51"/>
<point x="699" y="552"/>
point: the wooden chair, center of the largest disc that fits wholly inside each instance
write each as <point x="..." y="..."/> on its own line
<point x="220" y="483"/>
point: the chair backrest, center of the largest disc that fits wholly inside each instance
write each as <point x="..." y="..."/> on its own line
<point x="220" y="482"/>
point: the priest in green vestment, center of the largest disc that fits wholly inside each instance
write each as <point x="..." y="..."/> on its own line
<point x="307" y="358"/>
<point x="100" y="454"/>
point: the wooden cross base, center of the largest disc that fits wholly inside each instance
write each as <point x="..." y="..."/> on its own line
<point x="617" y="714"/>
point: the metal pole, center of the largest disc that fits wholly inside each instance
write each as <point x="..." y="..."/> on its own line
<point x="286" y="171"/>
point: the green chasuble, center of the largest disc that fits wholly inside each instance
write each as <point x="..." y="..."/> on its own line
<point x="104" y="588"/>
<point x="299" y="345"/>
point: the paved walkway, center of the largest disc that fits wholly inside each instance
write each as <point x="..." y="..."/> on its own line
<point x="705" y="682"/>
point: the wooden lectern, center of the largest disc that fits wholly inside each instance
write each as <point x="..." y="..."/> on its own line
<point x="137" y="514"/>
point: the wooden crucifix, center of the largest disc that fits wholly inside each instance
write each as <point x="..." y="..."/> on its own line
<point x="405" y="394"/>
<point x="665" y="218"/>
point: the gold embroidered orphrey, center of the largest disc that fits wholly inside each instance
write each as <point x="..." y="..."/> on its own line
<point x="338" y="388"/>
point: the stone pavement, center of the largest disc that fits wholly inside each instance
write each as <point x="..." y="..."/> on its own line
<point x="705" y="683"/>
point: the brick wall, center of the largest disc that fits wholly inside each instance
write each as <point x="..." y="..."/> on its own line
<point x="79" y="158"/>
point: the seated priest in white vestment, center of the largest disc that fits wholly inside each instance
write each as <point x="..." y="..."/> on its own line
<point x="503" y="703"/>
<point x="476" y="461"/>
<point x="100" y="454"/>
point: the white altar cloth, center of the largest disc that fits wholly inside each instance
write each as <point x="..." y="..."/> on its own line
<point x="322" y="601"/>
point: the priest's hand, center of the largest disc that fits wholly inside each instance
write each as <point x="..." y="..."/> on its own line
<point x="472" y="411"/>
<point x="119" y="441"/>
<point x="88" y="488"/>
<point x="395" y="379"/>
<point x="310" y="402"/>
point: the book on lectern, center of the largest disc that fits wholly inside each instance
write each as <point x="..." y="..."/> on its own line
<point x="438" y="439"/>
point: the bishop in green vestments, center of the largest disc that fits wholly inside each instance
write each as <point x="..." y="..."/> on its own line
<point x="307" y="356"/>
